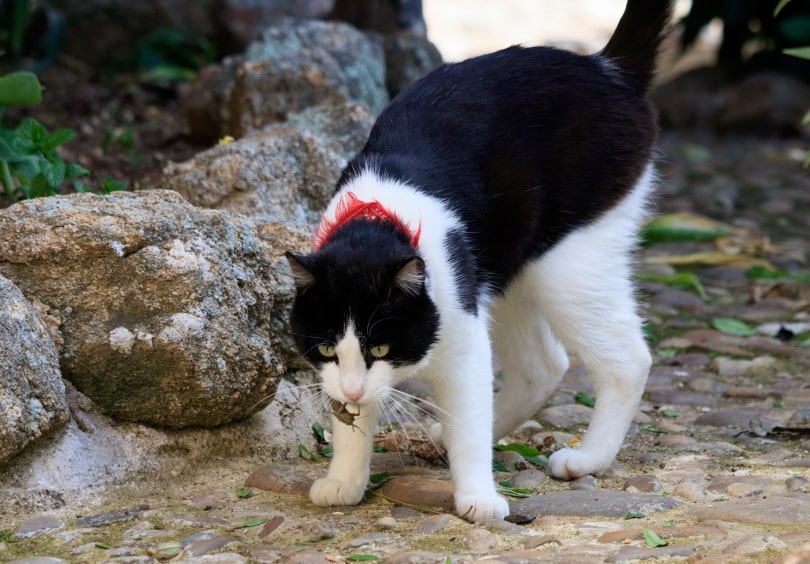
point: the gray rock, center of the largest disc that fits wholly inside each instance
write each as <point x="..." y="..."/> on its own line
<point x="296" y="65"/>
<point x="592" y="503"/>
<point x="529" y="479"/>
<point x="164" y="308"/>
<point x="791" y="509"/>
<point x="566" y="416"/>
<point x="38" y="525"/>
<point x="32" y="395"/>
<point x="407" y="58"/>
<point x="285" y="174"/>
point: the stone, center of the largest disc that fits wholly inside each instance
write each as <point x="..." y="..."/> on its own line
<point x="284" y="478"/>
<point x="417" y="557"/>
<point x="387" y="523"/>
<point x="635" y="553"/>
<point x="592" y="503"/>
<point x="644" y="483"/>
<point x="164" y="308"/>
<point x="32" y="395"/>
<point x="760" y="366"/>
<point x="566" y="416"/>
<point x="419" y="490"/>
<point x="480" y="540"/>
<point x="529" y="479"/>
<point x="793" y="510"/>
<point x="285" y="174"/>
<point x="689" y="491"/>
<point x="432" y="524"/>
<point x="38" y="525"/>
<point x="408" y="57"/>
<point x="296" y="65"/>
<point x="204" y="546"/>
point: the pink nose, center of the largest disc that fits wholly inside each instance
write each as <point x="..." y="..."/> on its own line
<point x="353" y="396"/>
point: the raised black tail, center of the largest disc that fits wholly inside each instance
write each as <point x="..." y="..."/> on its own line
<point x="634" y="45"/>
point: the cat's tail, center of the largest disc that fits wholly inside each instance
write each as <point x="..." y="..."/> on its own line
<point x="634" y="45"/>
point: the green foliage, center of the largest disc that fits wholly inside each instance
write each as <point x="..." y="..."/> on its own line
<point x="173" y="54"/>
<point x="733" y="326"/>
<point x="30" y="167"/>
<point x="652" y="539"/>
<point x="20" y="88"/>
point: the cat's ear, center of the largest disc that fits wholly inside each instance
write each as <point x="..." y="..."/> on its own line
<point x="410" y="279"/>
<point x="301" y="273"/>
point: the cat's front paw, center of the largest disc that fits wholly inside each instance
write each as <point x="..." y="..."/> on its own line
<point x="479" y="508"/>
<point x="328" y="491"/>
<point x="569" y="464"/>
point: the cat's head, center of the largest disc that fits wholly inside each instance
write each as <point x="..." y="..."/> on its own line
<point x="362" y="316"/>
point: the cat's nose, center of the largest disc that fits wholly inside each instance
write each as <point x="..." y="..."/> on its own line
<point x="354" y="396"/>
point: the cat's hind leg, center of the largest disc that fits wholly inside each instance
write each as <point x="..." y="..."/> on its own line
<point x="532" y="359"/>
<point x="585" y="290"/>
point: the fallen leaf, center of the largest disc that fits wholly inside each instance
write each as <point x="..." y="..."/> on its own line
<point x="733" y="326"/>
<point x="652" y="539"/>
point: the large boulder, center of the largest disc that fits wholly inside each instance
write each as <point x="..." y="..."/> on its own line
<point x="32" y="395"/>
<point x="286" y="173"/>
<point x="164" y="308"/>
<point x="296" y="65"/>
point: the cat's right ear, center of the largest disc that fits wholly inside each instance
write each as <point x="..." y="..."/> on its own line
<point x="410" y="278"/>
<point x="301" y="273"/>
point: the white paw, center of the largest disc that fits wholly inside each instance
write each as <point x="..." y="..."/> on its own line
<point x="569" y="463"/>
<point x="477" y="508"/>
<point x="435" y="433"/>
<point x="328" y="491"/>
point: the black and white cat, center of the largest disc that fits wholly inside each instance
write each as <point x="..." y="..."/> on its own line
<point x="493" y="209"/>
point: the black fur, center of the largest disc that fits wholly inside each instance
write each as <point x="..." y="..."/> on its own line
<point x="525" y="145"/>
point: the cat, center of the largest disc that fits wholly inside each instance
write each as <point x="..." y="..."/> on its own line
<point x="494" y="207"/>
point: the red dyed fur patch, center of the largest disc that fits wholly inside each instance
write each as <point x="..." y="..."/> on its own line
<point x="350" y="207"/>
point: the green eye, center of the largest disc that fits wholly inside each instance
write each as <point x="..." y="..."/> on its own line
<point x="327" y="351"/>
<point x="380" y="351"/>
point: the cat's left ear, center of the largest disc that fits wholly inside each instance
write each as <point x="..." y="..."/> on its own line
<point x="301" y="273"/>
<point x="410" y="279"/>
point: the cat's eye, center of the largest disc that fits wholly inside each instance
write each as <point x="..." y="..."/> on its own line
<point x="380" y="351"/>
<point x="327" y="351"/>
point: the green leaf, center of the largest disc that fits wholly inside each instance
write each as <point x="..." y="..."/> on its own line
<point x="759" y="271"/>
<point x="379" y="478"/>
<point x="75" y="171"/>
<point x="584" y="398"/>
<point x="782" y="4"/>
<point x="537" y="460"/>
<point x="102" y="546"/>
<point x="306" y="453"/>
<point x="57" y="138"/>
<point x="801" y="52"/>
<point x="498" y="467"/>
<point x="53" y="169"/>
<point x="361" y="558"/>
<point x="652" y="539"/>
<point x="733" y="326"/>
<point x="255" y="522"/>
<point x="39" y="188"/>
<point x="328" y="451"/>
<point x="20" y="89"/>
<point x="669" y="413"/>
<point x="317" y="428"/>
<point x="514" y="492"/>
<point x="682" y="279"/>
<point x="521" y="449"/>
<point x="633" y="515"/>
<point x="244" y="493"/>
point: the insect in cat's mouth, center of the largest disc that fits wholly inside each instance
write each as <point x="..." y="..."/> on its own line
<point x="342" y="413"/>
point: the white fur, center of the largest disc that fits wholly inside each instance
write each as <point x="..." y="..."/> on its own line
<point x="578" y="295"/>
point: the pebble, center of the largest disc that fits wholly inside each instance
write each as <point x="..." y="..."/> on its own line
<point x="767" y="510"/>
<point x="387" y="523"/>
<point x="796" y="484"/>
<point x="604" y="503"/>
<point x="585" y="483"/>
<point x="480" y="540"/>
<point x="689" y="491"/>
<point x="204" y="546"/>
<point x="644" y="483"/>
<point x="367" y="539"/>
<point x="760" y="366"/>
<point x="566" y="416"/>
<point x="37" y="526"/>
<point x="529" y="479"/>
<point x="432" y="524"/>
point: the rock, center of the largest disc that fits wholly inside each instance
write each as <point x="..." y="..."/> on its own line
<point x="644" y="483"/>
<point x="636" y="553"/>
<point x="296" y="65"/>
<point x="529" y="479"/>
<point x="285" y="174"/>
<point x="432" y="524"/>
<point x="760" y="366"/>
<point x="38" y="525"/>
<point x="165" y="308"/>
<point x="32" y="395"/>
<point x="592" y="503"/>
<point x="284" y="478"/>
<point x="791" y="509"/>
<point x="243" y="21"/>
<point x="565" y="416"/>
<point x="767" y="103"/>
<point x="419" y="490"/>
<point x="407" y="58"/>
<point x="480" y="540"/>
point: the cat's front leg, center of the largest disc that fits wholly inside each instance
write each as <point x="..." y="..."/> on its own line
<point x="346" y="481"/>
<point x="464" y="393"/>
